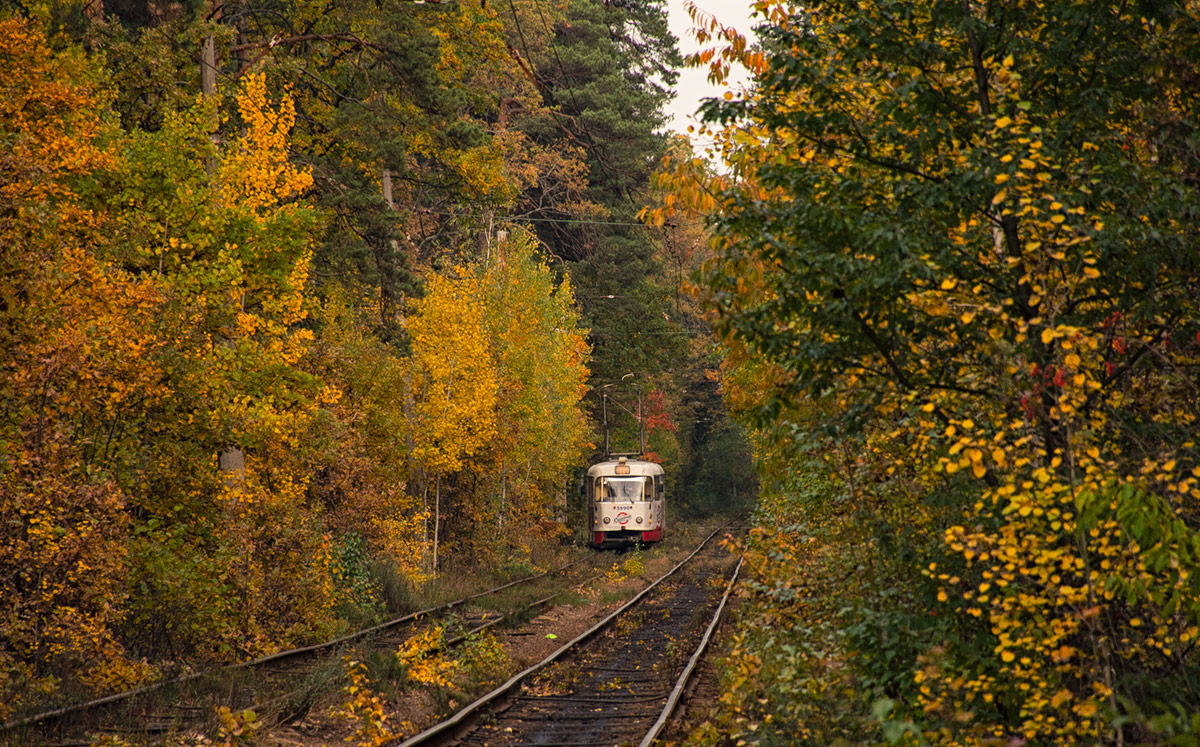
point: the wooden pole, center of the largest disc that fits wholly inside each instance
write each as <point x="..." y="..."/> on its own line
<point x="641" y="428"/>
<point x="605" y="398"/>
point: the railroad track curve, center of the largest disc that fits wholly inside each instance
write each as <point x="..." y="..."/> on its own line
<point x="618" y="683"/>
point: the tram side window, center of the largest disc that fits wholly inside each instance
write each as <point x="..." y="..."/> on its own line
<point x="659" y="487"/>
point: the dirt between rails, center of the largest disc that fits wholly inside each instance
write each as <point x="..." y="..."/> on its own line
<point x="409" y="708"/>
<point x="611" y="690"/>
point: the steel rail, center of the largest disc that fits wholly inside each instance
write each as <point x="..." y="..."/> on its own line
<point x="356" y="635"/>
<point x="677" y="693"/>
<point x="459" y="719"/>
<point x="261" y="706"/>
<point x="501" y="618"/>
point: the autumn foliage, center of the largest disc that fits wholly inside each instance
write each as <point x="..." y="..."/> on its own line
<point x="70" y="322"/>
<point x="958" y="273"/>
<point x="203" y="451"/>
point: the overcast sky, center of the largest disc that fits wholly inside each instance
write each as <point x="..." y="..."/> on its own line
<point x="692" y="86"/>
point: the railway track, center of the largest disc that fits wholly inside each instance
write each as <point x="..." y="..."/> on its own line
<point x="618" y="683"/>
<point x="277" y="687"/>
<point x="286" y="685"/>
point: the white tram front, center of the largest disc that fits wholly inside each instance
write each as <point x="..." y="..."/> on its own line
<point x="626" y="502"/>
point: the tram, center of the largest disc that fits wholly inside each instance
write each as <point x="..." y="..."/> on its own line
<point x="626" y="501"/>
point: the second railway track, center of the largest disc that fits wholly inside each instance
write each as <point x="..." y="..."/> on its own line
<point x="281" y="687"/>
<point x="276" y="686"/>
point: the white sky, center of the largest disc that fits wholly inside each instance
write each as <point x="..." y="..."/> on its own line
<point x="693" y="86"/>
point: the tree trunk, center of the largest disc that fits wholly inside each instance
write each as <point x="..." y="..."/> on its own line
<point x="208" y="67"/>
<point x="437" y="517"/>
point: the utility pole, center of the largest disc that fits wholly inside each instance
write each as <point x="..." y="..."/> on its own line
<point x="208" y="66"/>
<point x="641" y="427"/>
<point x="208" y="59"/>
<point x="389" y="310"/>
<point x="387" y="190"/>
<point x="605" y="398"/>
<point x="231" y="461"/>
<point x="208" y="81"/>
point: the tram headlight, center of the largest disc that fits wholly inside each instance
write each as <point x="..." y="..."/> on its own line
<point x="607" y="519"/>
<point x="639" y="520"/>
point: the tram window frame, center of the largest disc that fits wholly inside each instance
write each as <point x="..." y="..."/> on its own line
<point x="602" y="490"/>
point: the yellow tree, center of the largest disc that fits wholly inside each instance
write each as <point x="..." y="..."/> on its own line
<point x="73" y="360"/>
<point x="363" y="446"/>
<point x="454" y="384"/>
<point x="226" y="563"/>
<point x="540" y="356"/>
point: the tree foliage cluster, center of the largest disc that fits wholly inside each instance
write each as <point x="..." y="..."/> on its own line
<point x="462" y="116"/>
<point x="204" y="449"/>
<point x="958" y="269"/>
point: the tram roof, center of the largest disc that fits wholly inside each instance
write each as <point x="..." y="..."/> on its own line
<point x="636" y="467"/>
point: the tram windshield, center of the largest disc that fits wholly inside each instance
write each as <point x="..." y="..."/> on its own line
<point x="626" y="489"/>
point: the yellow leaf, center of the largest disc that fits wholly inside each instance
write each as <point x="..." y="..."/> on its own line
<point x="999" y="198"/>
<point x="1047" y="336"/>
<point x="1003" y="122"/>
<point x="948" y="284"/>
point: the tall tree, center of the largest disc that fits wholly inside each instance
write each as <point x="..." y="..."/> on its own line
<point x="608" y="75"/>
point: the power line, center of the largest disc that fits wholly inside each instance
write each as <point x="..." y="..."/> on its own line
<point x="596" y="222"/>
<point x="580" y="221"/>
<point x="566" y="79"/>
